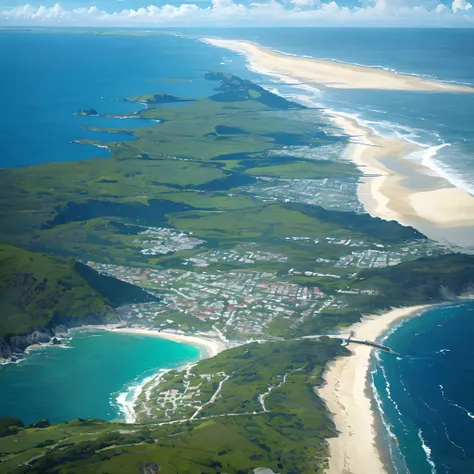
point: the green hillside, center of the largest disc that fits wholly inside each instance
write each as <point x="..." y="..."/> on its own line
<point x="39" y="290"/>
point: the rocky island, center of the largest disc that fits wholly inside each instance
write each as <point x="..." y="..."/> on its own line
<point x="88" y="112"/>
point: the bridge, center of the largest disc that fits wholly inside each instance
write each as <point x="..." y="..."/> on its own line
<point x="350" y="339"/>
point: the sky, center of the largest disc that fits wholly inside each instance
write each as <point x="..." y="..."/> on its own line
<point x="255" y="13"/>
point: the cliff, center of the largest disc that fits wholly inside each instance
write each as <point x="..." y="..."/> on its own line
<point x="39" y="292"/>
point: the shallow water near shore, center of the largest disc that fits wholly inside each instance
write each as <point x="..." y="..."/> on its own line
<point x="427" y="394"/>
<point x="83" y="377"/>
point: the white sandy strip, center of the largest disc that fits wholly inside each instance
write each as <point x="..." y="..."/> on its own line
<point x="211" y="347"/>
<point x="383" y="194"/>
<point x="330" y="73"/>
<point x="445" y="207"/>
<point x="346" y="395"/>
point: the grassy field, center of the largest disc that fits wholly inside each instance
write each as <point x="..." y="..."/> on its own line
<point x="187" y="159"/>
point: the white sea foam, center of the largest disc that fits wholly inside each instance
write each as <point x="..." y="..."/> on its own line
<point x="389" y="395"/>
<point x="454" y="404"/>
<point x="127" y="398"/>
<point x="387" y="425"/>
<point x="427" y="451"/>
<point x="427" y="157"/>
<point x="468" y="413"/>
<point x="8" y="361"/>
<point x="451" y="441"/>
<point x="429" y="408"/>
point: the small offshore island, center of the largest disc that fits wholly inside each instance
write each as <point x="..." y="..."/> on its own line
<point x="217" y="227"/>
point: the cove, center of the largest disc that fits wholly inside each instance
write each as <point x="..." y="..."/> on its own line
<point x="83" y="377"/>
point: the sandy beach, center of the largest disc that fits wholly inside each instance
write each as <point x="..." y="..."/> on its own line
<point x="329" y="73"/>
<point x="209" y="346"/>
<point x="430" y="204"/>
<point x="348" y="397"/>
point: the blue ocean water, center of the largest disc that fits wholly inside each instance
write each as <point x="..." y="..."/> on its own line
<point x="426" y="396"/>
<point x="84" y="377"/>
<point x="47" y="77"/>
<point x="442" y="123"/>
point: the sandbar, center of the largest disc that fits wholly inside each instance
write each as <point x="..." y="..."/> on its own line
<point x="330" y="73"/>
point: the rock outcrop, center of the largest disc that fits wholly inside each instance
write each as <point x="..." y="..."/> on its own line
<point x="12" y="346"/>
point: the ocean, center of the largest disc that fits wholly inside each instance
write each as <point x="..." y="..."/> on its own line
<point x="94" y="374"/>
<point x="426" y="396"/>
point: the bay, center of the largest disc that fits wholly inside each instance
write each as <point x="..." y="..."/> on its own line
<point x="83" y="377"/>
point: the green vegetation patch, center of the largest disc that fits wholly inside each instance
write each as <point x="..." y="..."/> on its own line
<point x="306" y="170"/>
<point x="38" y="290"/>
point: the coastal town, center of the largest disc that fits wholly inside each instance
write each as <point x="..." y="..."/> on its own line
<point x="164" y="240"/>
<point x="249" y="291"/>
<point x="244" y="254"/>
<point x="335" y="194"/>
<point x="235" y="304"/>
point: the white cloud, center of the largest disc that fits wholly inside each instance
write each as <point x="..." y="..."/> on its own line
<point x="304" y="3"/>
<point x="460" y="5"/>
<point x="230" y="12"/>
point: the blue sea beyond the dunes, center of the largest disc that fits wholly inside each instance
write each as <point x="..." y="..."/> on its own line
<point x="432" y="385"/>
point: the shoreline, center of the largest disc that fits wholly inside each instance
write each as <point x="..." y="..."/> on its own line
<point x="348" y="396"/>
<point x="329" y="73"/>
<point x="434" y="206"/>
<point x="208" y="348"/>
<point x="207" y="345"/>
